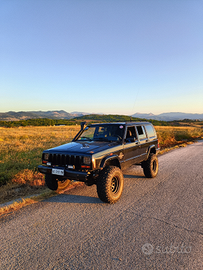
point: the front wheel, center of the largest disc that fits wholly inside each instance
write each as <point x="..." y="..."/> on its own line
<point x="110" y="184"/>
<point x="151" y="166"/>
<point x="54" y="184"/>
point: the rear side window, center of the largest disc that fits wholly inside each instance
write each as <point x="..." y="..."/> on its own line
<point x="150" y="131"/>
<point x="141" y="132"/>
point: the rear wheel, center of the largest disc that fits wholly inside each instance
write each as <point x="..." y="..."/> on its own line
<point x="151" y="166"/>
<point x="110" y="184"/>
<point x="55" y="184"/>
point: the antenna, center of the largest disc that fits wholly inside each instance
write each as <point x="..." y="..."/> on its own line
<point x="136" y="98"/>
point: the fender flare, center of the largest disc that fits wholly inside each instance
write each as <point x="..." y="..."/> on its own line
<point x="109" y="158"/>
<point x="153" y="146"/>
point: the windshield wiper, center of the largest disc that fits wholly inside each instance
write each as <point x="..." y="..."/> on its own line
<point x="101" y="139"/>
<point x="84" y="139"/>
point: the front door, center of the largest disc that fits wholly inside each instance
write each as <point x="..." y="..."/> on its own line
<point x="142" y="137"/>
<point x="131" y="147"/>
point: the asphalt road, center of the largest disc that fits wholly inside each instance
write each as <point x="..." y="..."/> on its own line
<point x="157" y="223"/>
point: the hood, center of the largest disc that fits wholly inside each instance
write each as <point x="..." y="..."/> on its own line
<point x="83" y="147"/>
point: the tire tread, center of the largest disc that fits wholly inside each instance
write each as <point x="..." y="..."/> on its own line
<point x="147" y="166"/>
<point x="103" y="184"/>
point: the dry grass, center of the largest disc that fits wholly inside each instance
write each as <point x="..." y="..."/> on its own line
<point x="29" y="177"/>
<point x="16" y="206"/>
<point x="13" y="191"/>
<point x="171" y="136"/>
<point x="20" y="154"/>
<point x="21" y="148"/>
<point x="25" y="201"/>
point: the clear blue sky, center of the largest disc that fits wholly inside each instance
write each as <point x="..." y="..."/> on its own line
<point x="110" y="56"/>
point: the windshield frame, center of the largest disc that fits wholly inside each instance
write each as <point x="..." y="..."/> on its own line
<point x="107" y="132"/>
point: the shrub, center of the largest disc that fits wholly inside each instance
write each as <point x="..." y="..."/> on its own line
<point x="29" y="177"/>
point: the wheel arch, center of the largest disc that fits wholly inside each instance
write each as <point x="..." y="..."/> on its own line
<point x="110" y="161"/>
<point x="151" y="150"/>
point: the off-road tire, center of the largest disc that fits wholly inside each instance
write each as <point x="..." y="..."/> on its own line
<point x="151" y="166"/>
<point x="110" y="184"/>
<point x="54" y="184"/>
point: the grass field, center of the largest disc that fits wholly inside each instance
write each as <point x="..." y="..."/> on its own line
<point x="170" y="136"/>
<point x="21" y="148"/>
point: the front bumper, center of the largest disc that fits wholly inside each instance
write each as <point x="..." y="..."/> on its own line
<point x="69" y="174"/>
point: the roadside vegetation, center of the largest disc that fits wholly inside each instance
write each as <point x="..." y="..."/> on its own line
<point x="171" y="136"/>
<point x="20" y="154"/>
<point x="21" y="149"/>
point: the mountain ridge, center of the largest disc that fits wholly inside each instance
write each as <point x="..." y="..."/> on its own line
<point x="170" y="116"/>
<point x="61" y="114"/>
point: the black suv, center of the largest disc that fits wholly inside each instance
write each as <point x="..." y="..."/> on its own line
<point x="99" y="153"/>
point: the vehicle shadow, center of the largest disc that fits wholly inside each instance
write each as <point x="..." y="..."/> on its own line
<point x="76" y="198"/>
<point x="133" y="176"/>
<point x="70" y="198"/>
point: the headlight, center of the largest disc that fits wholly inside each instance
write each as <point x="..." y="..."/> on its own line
<point x="87" y="160"/>
<point x="46" y="156"/>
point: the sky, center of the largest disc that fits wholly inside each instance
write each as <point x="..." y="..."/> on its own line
<point x="101" y="56"/>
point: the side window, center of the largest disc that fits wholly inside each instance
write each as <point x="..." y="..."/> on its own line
<point x="150" y="131"/>
<point x="131" y="134"/>
<point x="141" y="132"/>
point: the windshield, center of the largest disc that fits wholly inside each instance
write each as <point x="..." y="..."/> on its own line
<point x="102" y="133"/>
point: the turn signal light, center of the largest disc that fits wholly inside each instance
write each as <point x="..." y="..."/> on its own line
<point x="85" y="167"/>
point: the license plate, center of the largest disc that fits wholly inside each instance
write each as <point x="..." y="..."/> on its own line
<point x="58" y="172"/>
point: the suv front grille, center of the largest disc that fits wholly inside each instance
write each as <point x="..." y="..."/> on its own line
<point x="65" y="160"/>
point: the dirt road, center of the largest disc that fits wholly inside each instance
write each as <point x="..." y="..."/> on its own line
<point x="157" y="223"/>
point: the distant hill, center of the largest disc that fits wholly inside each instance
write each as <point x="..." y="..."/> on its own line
<point x="171" y="116"/>
<point x="15" y="116"/>
<point x="104" y="118"/>
<point x="116" y="118"/>
<point x="78" y="114"/>
<point x="52" y="118"/>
